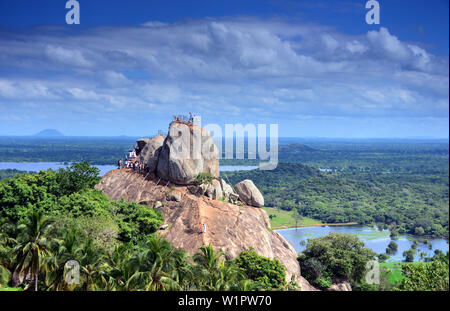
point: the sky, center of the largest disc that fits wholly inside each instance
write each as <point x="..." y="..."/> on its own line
<point x="315" y="68"/>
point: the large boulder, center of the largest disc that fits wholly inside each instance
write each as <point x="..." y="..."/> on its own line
<point x="187" y="151"/>
<point x="214" y="190"/>
<point x="340" y="286"/>
<point x="140" y="144"/>
<point x="150" y="149"/>
<point x="228" y="192"/>
<point x="249" y="193"/>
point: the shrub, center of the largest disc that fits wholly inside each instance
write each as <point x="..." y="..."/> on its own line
<point x="409" y="255"/>
<point x="323" y="282"/>
<point x="335" y="256"/>
<point x="204" y="178"/>
<point x="426" y="277"/>
<point x="392" y="248"/>
<point x="267" y="273"/>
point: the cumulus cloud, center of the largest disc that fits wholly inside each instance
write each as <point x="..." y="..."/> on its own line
<point x="244" y="67"/>
<point x="66" y="56"/>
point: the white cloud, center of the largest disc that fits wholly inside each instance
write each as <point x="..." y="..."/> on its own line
<point x="70" y="57"/>
<point x="246" y="67"/>
<point x="115" y="79"/>
<point x="355" y="46"/>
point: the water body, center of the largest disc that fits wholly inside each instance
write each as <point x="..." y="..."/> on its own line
<point x="372" y="237"/>
<point x="38" y="166"/>
<point x="225" y="168"/>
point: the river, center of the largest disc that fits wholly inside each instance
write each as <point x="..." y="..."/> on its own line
<point x="373" y="238"/>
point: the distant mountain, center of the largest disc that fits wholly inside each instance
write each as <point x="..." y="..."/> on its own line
<point x="49" y="133"/>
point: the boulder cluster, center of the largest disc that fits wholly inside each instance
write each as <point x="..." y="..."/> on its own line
<point x="188" y="151"/>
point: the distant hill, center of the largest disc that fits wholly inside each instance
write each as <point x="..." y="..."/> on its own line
<point x="49" y="133"/>
<point x="297" y="147"/>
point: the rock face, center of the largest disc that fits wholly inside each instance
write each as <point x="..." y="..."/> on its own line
<point x="229" y="227"/>
<point x="174" y="196"/>
<point x="214" y="190"/>
<point x="249" y="193"/>
<point x="228" y="192"/>
<point x="150" y="150"/>
<point x="341" y="286"/>
<point x="141" y="142"/>
<point x="187" y="151"/>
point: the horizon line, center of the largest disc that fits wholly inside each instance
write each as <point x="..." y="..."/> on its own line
<point x="289" y="137"/>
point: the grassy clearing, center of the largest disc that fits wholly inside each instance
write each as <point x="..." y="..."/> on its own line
<point x="10" y="289"/>
<point x="281" y="218"/>
<point x="396" y="270"/>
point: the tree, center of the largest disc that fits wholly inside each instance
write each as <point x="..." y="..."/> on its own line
<point x="335" y="256"/>
<point x="77" y="177"/>
<point x="92" y="266"/>
<point x="392" y="248"/>
<point x="208" y="258"/>
<point x="383" y="257"/>
<point x="297" y="216"/>
<point x="426" y="277"/>
<point x="66" y="249"/>
<point x="419" y="231"/>
<point x="394" y="234"/>
<point x="409" y="255"/>
<point x="6" y="257"/>
<point x="34" y="243"/>
<point x="156" y="266"/>
<point x="267" y="273"/>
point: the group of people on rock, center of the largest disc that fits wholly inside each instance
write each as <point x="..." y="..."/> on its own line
<point x="132" y="163"/>
<point x="137" y="166"/>
<point x="184" y="119"/>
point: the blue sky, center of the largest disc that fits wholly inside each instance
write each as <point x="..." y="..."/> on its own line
<point x="313" y="67"/>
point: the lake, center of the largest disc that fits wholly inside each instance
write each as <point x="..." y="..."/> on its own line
<point x="373" y="238"/>
<point x="38" y="166"/>
<point x="225" y="168"/>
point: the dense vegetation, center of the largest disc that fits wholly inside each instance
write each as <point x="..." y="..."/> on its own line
<point x="9" y="173"/>
<point x="96" y="150"/>
<point x="370" y="155"/>
<point x="68" y="195"/>
<point x="341" y="257"/>
<point x="267" y="273"/>
<point x="426" y="277"/>
<point x="405" y="202"/>
<point x="335" y="258"/>
<point x="51" y="218"/>
<point x="402" y="185"/>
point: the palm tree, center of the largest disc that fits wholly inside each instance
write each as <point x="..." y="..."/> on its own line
<point x="229" y="277"/>
<point x="156" y="266"/>
<point x="34" y="242"/>
<point x="211" y="268"/>
<point x="6" y="260"/>
<point x="208" y="258"/>
<point x="93" y="266"/>
<point x="121" y="266"/>
<point x="66" y="249"/>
